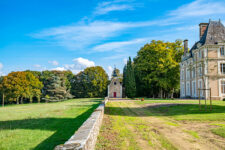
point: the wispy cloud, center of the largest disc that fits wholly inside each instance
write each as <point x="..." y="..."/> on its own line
<point x="116" y="56"/>
<point x="54" y="62"/>
<point x="83" y="35"/>
<point x="118" y="46"/>
<point x="110" y="6"/>
<point x="79" y="36"/>
<point x="37" y="66"/>
<point x="199" y="8"/>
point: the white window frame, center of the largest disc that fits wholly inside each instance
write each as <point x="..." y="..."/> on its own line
<point x="193" y="72"/>
<point x="182" y="89"/>
<point x="182" y="74"/>
<point x="222" y="49"/>
<point x="188" y="88"/>
<point x="199" y="54"/>
<point x="222" y="71"/>
<point x="187" y="74"/>
<point x="200" y="70"/>
<point x="193" y="89"/>
<point x="200" y="87"/>
<point x="220" y="92"/>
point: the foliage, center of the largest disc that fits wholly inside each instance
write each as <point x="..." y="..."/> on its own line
<point x="56" y="84"/>
<point x="92" y="82"/>
<point x="157" y="68"/>
<point x="20" y="85"/>
<point x="129" y="79"/>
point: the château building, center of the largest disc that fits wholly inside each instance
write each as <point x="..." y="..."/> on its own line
<point x="203" y="66"/>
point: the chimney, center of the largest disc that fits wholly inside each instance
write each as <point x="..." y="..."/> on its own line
<point x="185" y="46"/>
<point x="202" y="28"/>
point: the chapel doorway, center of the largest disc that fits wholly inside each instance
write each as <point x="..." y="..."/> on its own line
<point x="114" y="94"/>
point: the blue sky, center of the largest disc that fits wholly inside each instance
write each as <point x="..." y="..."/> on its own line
<point x="74" y="34"/>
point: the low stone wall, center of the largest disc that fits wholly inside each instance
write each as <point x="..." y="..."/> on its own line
<point x="85" y="137"/>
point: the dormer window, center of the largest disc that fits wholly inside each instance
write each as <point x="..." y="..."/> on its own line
<point x="222" y="52"/>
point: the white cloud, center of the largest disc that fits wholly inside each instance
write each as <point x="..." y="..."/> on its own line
<point x="125" y="60"/>
<point x="1" y="66"/>
<point x="79" y="65"/>
<point x="84" y="62"/>
<point x="109" y="71"/>
<point x="59" y="69"/>
<point x="118" y="46"/>
<point x="54" y="62"/>
<point x="199" y="8"/>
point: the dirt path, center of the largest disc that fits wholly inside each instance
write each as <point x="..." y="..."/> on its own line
<point x="136" y="128"/>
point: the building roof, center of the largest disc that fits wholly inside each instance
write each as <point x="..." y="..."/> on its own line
<point x="214" y="33"/>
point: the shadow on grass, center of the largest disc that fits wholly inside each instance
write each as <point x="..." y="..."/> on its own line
<point x="170" y="110"/>
<point x="64" y="127"/>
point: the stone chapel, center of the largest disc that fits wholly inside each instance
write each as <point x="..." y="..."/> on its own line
<point x="115" y="86"/>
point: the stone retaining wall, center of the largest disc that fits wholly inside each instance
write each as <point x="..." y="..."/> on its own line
<point x="85" y="137"/>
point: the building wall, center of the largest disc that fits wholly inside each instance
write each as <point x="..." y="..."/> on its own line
<point x="209" y="59"/>
<point x="115" y="86"/>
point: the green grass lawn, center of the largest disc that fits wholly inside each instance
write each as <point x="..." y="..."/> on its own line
<point x="42" y="126"/>
<point x="190" y="111"/>
<point x="140" y="125"/>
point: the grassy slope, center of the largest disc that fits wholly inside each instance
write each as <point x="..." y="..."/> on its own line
<point x="192" y="112"/>
<point x="42" y="126"/>
<point x="189" y="112"/>
<point x="124" y="128"/>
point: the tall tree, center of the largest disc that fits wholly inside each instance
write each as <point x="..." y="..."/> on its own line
<point x="2" y="91"/>
<point x="56" y="85"/>
<point x="157" y="67"/>
<point x="130" y="85"/>
<point x="92" y="82"/>
<point x="20" y="85"/>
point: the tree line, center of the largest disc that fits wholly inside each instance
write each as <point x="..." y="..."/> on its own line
<point x="28" y="86"/>
<point x="154" y="72"/>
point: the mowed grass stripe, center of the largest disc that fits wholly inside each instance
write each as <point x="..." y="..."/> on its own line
<point x="42" y="126"/>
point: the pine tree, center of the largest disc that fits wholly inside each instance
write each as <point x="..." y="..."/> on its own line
<point x="130" y="85"/>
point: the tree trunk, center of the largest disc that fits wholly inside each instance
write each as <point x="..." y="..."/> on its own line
<point x="172" y="93"/>
<point x="161" y="93"/>
<point x="17" y="100"/>
<point x="31" y="100"/>
<point x="3" y="100"/>
<point x="38" y="99"/>
<point x="21" y="100"/>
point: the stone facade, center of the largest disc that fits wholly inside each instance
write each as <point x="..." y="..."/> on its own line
<point x="115" y="88"/>
<point x="203" y="67"/>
